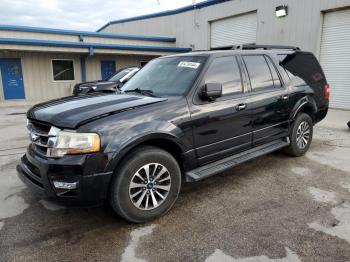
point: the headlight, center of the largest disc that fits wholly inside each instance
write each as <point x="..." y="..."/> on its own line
<point x="70" y="143"/>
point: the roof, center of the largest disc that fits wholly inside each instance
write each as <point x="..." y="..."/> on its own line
<point x="166" y="13"/>
<point x="88" y="45"/>
<point x="83" y="33"/>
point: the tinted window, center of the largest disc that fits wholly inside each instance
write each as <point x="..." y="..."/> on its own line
<point x="120" y="74"/>
<point x="225" y="70"/>
<point x="281" y="58"/>
<point x="276" y="79"/>
<point x="171" y="76"/>
<point x="259" y="72"/>
<point x="303" y="68"/>
<point x="63" y="70"/>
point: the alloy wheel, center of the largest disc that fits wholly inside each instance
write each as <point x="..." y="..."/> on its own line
<point x="150" y="186"/>
<point x="303" y="134"/>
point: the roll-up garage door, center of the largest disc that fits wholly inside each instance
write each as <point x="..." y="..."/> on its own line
<point x="234" y="30"/>
<point x="335" y="56"/>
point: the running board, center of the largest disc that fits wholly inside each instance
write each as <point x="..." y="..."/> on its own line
<point x="231" y="161"/>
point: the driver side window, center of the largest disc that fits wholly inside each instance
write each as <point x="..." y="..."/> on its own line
<point x="225" y="70"/>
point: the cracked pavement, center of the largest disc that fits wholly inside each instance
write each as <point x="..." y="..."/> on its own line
<point x="274" y="208"/>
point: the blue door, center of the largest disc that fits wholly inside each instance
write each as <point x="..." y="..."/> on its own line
<point x="107" y="69"/>
<point x="12" y="79"/>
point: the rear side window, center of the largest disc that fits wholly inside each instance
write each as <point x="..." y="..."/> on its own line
<point x="225" y="70"/>
<point x="303" y="68"/>
<point x="259" y="72"/>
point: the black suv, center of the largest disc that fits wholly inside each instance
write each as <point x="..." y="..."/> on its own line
<point x="180" y="118"/>
<point x="111" y="84"/>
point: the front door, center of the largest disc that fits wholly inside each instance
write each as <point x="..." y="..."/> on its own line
<point x="107" y="69"/>
<point x="12" y="79"/>
<point x="221" y="127"/>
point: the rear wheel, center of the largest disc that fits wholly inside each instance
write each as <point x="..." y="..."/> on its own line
<point x="301" y="135"/>
<point x="146" y="185"/>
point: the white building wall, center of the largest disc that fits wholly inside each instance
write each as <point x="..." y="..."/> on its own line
<point x="302" y="26"/>
<point x="37" y="75"/>
<point x="37" y="72"/>
<point x="75" y="38"/>
<point x="36" y="56"/>
<point x="93" y="64"/>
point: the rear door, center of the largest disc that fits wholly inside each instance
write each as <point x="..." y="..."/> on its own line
<point x="268" y="102"/>
<point x="221" y="127"/>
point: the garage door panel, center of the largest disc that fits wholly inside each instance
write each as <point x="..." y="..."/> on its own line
<point x="234" y="30"/>
<point x="335" y="56"/>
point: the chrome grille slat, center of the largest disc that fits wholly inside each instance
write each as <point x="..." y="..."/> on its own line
<point x="40" y="144"/>
<point x="40" y="135"/>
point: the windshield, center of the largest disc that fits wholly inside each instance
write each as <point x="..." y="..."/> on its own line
<point x="120" y="74"/>
<point x="168" y="76"/>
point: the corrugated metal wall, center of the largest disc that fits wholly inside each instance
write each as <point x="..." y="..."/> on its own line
<point x="37" y="72"/>
<point x="93" y="64"/>
<point x="335" y="56"/>
<point x="302" y="26"/>
<point x="37" y="75"/>
<point x="75" y="38"/>
<point x="234" y="30"/>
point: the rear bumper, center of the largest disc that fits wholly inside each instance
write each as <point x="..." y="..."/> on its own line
<point x="39" y="174"/>
<point x="321" y="114"/>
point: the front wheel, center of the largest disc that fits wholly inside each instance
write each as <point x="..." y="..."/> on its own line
<point x="301" y="135"/>
<point x="146" y="185"/>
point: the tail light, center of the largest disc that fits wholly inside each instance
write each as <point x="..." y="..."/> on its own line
<point x="327" y="91"/>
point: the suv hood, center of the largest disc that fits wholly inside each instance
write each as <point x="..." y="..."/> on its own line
<point x="72" y="112"/>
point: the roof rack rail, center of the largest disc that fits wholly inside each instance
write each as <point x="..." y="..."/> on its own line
<point x="228" y="47"/>
<point x="265" y="47"/>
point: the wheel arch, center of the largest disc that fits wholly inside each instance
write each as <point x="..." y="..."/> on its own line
<point x="305" y="105"/>
<point x="167" y="142"/>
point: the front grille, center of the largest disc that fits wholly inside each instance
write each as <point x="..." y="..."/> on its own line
<point x="39" y="136"/>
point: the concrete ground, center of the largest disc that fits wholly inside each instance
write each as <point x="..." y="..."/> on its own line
<point x="275" y="208"/>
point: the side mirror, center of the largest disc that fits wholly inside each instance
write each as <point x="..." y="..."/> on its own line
<point x="211" y="91"/>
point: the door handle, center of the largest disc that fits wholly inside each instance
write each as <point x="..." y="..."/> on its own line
<point x="285" y="97"/>
<point x="241" y="107"/>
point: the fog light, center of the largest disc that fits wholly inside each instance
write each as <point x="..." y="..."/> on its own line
<point x="65" y="185"/>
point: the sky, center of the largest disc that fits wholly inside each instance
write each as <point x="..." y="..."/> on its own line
<point x="87" y="15"/>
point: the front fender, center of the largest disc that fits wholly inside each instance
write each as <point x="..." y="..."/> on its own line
<point x="305" y="102"/>
<point x="124" y="141"/>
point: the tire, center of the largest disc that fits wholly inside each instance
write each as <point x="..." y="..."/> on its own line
<point x="302" y="127"/>
<point x="125" y="198"/>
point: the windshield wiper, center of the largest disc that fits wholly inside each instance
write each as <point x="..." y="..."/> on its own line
<point x="144" y="92"/>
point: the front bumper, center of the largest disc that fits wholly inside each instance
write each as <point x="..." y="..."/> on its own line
<point x="86" y="171"/>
